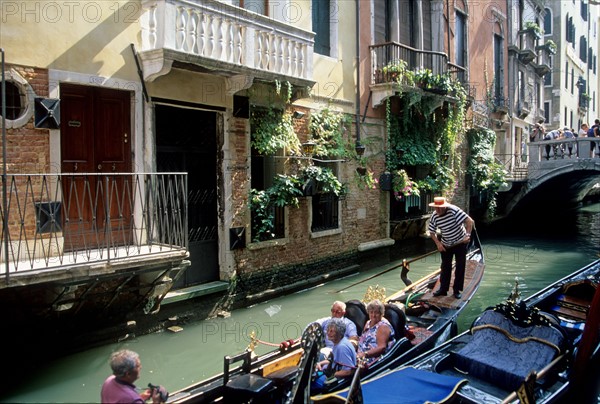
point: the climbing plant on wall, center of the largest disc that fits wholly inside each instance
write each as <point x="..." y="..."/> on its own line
<point x="487" y="176"/>
<point x="423" y="134"/>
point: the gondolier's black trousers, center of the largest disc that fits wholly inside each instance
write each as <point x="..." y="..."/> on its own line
<point x="459" y="252"/>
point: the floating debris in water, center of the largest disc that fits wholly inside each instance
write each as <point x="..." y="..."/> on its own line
<point x="273" y="309"/>
<point x="175" y="328"/>
<point x="223" y="314"/>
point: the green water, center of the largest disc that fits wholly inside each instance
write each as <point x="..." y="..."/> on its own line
<point x="535" y="255"/>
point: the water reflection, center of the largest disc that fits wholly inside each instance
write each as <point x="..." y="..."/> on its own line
<point x="176" y="360"/>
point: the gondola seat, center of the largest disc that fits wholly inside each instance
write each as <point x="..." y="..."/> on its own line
<point x="503" y="353"/>
<point x="247" y="387"/>
<point x="357" y="312"/>
<point x="395" y="315"/>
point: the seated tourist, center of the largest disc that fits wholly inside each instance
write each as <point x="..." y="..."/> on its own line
<point x="377" y="334"/>
<point x="338" y="310"/>
<point x="342" y="360"/>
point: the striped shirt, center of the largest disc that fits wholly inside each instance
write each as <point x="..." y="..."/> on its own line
<point x="451" y="225"/>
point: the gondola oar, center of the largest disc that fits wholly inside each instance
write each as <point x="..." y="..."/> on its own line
<point x="403" y="264"/>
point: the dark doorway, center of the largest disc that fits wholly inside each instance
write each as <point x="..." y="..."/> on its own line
<point x="186" y="141"/>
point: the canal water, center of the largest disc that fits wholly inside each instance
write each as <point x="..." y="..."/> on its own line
<point x="533" y="253"/>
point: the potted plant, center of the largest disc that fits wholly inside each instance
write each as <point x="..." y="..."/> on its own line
<point x="532" y="28"/>
<point x="424" y="78"/>
<point x="397" y="71"/>
<point x="324" y="178"/>
<point x="402" y="185"/>
<point x="549" y="46"/>
<point x="440" y="83"/>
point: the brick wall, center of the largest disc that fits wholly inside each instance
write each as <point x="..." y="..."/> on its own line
<point x="27" y="152"/>
<point x="301" y="257"/>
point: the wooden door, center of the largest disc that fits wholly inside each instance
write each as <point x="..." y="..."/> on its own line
<point x="96" y="148"/>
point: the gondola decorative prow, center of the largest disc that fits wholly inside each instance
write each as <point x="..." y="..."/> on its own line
<point x="515" y="296"/>
<point x="253" y="341"/>
<point x="404" y="272"/>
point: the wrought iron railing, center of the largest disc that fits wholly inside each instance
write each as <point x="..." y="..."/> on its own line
<point x="61" y="220"/>
<point x="514" y="164"/>
<point x="390" y="53"/>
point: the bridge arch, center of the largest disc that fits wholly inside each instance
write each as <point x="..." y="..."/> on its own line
<point x="559" y="180"/>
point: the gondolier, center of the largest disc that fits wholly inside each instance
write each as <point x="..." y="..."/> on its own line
<point x="455" y="227"/>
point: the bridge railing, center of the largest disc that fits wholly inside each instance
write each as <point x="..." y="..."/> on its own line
<point x="577" y="148"/>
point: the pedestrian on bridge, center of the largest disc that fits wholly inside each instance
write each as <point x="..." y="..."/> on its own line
<point x="570" y="137"/>
<point x="593" y="132"/>
<point x="552" y="135"/>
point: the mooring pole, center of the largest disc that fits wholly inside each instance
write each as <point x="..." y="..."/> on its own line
<point x="4" y="182"/>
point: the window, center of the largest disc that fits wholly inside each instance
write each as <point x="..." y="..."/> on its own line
<point x="19" y="100"/>
<point x="570" y="30"/>
<point x="572" y="81"/>
<point x="584" y="10"/>
<point x="14" y="101"/>
<point x="546" y="111"/>
<point x="460" y="39"/>
<point x="498" y="67"/>
<point x="264" y="169"/>
<point x="565" y="115"/>
<point x="548" y="79"/>
<point x="583" y="48"/>
<point x="257" y="6"/>
<point x="567" y="75"/>
<point x="321" y="20"/>
<point x="548" y="22"/>
<point x="325" y="206"/>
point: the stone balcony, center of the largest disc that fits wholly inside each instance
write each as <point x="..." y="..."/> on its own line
<point x="223" y="39"/>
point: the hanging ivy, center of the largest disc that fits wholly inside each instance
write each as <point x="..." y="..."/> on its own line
<point x="273" y="130"/>
<point x="327" y="128"/>
<point x="487" y="175"/>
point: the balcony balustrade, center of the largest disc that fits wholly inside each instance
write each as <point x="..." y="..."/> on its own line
<point x="384" y="57"/>
<point x="541" y="63"/>
<point x="62" y="221"/>
<point x="395" y="64"/>
<point x="224" y="38"/>
<point x="527" y="52"/>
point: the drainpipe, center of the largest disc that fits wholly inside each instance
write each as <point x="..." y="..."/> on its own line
<point x="4" y="182"/>
<point x="357" y="73"/>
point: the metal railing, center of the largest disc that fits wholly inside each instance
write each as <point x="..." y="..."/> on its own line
<point x="389" y="53"/>
<point x="60" y="220"/>
<point x="514" y="164"/>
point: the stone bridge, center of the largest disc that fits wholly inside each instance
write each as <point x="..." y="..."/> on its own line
<point x="559" y="173"/>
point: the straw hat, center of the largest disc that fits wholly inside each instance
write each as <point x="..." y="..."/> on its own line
<point x="439" y="202"/>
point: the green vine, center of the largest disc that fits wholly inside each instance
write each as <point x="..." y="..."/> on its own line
<point x="273" y="130"/>
<point x="487" y="176"/>
<point x="327" y="128"/>
<point x="285" y="191"/>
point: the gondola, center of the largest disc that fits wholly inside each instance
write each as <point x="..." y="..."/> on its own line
<point x="543" y="349"/>
<point x="421" y="319"/>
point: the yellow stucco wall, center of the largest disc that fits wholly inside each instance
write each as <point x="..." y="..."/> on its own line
<point x="90" y="37"/>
